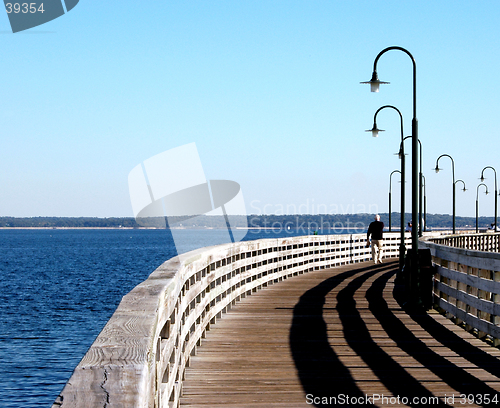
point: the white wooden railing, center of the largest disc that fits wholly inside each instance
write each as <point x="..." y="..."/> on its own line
<point x="467" y="282"/>
<point x="139" y="358"/>
<point x="489" y="242"/>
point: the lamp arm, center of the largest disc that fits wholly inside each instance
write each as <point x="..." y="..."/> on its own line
<point x="452" y="165"/>
<point x="414" y="72"/>
<point x="490" y="167"/>
<point x="390" y="178"/>
<point x="400" y="117"/>
<point x="477" y="190"/>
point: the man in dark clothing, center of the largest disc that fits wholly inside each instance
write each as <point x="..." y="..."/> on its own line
<point x="375" y="229"/>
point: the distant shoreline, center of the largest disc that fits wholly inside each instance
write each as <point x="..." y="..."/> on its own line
<point x="321" y="232"/>
<point x="303" y="222"/>
<point x="154" y="228"/>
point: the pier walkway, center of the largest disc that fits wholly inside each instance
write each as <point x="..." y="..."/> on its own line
<point x="334" y="337"/>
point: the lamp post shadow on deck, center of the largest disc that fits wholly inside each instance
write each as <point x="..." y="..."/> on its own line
<point x="477" y="203"/>
<point x="496" y="192"/>
<point x="415" y="281"/>
<point x="375" y="131"/>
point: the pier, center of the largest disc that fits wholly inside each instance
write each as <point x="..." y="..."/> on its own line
<point x="305" y="321"/>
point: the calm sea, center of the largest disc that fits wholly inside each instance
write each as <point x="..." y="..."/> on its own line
<point x="58" y="290"/>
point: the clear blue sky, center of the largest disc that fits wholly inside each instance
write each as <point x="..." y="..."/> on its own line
<point x="268" y="90"/>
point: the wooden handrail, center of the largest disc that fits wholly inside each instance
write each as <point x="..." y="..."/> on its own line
<point x="467" y="283"/>
<point x="139" y="358"/>
<point x="489" y="242"/>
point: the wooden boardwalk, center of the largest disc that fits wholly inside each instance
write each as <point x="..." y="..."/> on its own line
<point x="333" y="338"/>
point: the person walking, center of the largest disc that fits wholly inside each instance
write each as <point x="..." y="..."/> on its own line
<point x="409" y="226"/>
<point x="375" y="229"/>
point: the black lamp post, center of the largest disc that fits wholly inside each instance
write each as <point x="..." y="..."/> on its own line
<point x="496" y="192"/>
<point x="416" y="283"/>
<point x="374" y="84"/>
<point x="477" y="203"/>
<point x="453" y="174"/>
<point x="390" y="185"/>
<point x="463" y="182"/>
<point x="420" y="186"/>
<point x="425" y="203"/>
<point x="375" y="131"/>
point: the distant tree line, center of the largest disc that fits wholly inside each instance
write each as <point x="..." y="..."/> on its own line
<point x="302" y="221"/>
<point x="67" y="222"/>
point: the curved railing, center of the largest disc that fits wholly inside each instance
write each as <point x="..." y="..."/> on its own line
<point x="488" y="242"/>
<point x="139" y="358"/>
<point x="467" y="282"/>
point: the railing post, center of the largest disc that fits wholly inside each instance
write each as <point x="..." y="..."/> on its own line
<point x="481" y="294"/>
<point x="350" y="247"/>
<point x="460" y="287"/>
<point x="496" y="299"/>
<point x="469" y="289"/>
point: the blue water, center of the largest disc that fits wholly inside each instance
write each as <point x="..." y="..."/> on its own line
<point x="58" y="289"/>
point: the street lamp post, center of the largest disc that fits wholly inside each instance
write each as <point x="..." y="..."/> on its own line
<point x="477" y="203"/>
<point x="425" y="203"/>
<point x="463" y="182"/>
<point x="496" y="192"/>
<point x="374" y="85"/>
<point x="390" y="185"/>
<point x="420" y="184"/>
<point x="453" y="174"/>
<point x="375" y="131"/>
<point x="415" y="278"/>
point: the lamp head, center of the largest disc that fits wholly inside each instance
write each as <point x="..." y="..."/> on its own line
<point x="482" y="178"/>
<point x="400" y="153"/>
<point x="374" y="82"/>
<point x="375" y="130"/>
<point x="437" y="169"/>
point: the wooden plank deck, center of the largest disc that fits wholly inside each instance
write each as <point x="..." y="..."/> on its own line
<point x="334" y="337"/>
